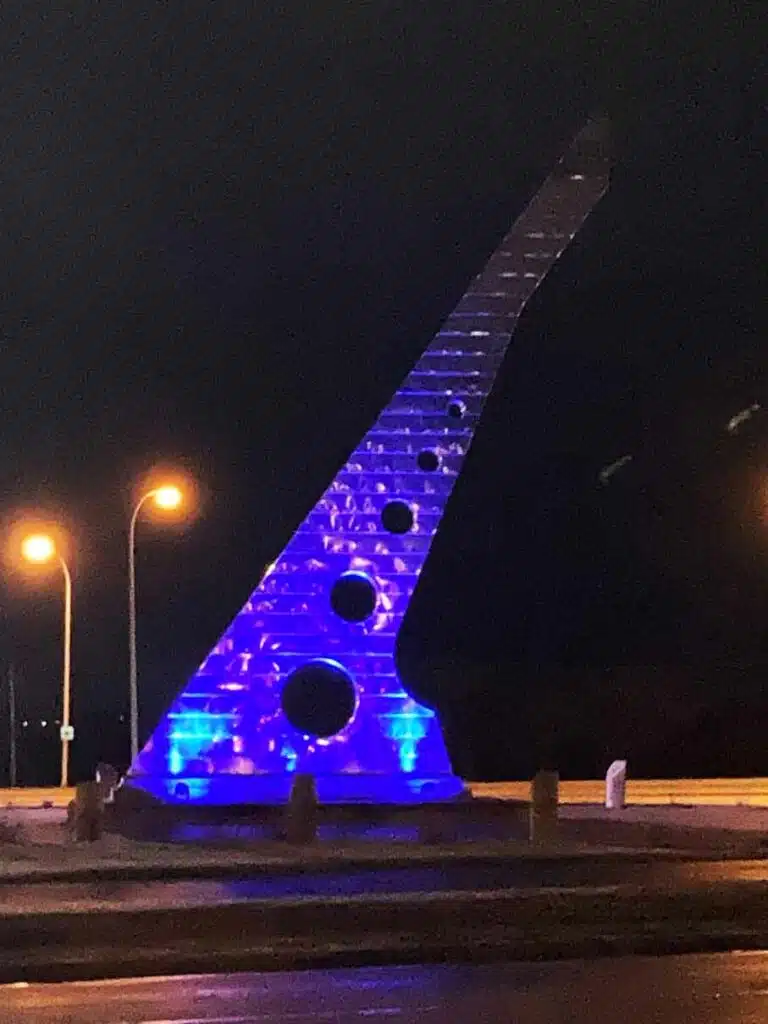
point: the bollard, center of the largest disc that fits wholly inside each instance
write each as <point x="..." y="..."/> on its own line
<point x="301" y="811"/>
<point x="543" y="807"/>
<point x="433" y="826"/>
<point x="87" y="816"/>
<point x="616" y="786"/>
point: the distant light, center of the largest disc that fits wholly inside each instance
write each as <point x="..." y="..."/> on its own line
<point x="44" y="723"/>
<point x="608" y="471"/>
<point x="168" y="497"/>
<point x="38" y="548"/>
<point x="741" y="417"/>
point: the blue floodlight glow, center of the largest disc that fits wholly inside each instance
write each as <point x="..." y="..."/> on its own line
<point x="304" y="679"/>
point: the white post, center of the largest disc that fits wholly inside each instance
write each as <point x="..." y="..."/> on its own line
<point x="616" y="786"/>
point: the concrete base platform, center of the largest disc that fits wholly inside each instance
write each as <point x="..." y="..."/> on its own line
<point x="272" y="789"/>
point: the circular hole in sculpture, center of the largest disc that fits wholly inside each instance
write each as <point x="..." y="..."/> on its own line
<point x="397" y="517"/>
<point x="456" y="409"/>
<point x="319" y="698"/>
<point x="353" y="597"/>
<point x="428" y="460"/>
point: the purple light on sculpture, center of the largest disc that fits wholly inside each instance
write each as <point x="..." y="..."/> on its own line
<point x="304" y="679"/>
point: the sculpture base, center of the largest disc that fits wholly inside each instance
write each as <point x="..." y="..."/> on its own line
<point x="273" y="789"/>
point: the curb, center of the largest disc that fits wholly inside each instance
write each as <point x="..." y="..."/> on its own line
<point x="357" y="931"/>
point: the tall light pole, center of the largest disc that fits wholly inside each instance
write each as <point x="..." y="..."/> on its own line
<point x="39" y="549"/>
<point x="12" y="725"/>
<point x="168" y="498"/>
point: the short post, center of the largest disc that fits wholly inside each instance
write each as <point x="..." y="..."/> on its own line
<point x="301" y="811"/>
<point x="616" y="786"/>
<point x="545" y="788"/>
<point x="86" y="812"/>
<point x="434" y="826"/>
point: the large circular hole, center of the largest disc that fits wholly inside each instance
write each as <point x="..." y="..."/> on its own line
<point x="456" y="409"/>
<point x="397" y="517"/>
<point x="353" y="596"/>
<point x="428" y="460"/>
<point x="319" y="698"/>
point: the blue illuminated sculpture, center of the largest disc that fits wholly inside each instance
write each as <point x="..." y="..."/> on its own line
<point x="304" y="679"/>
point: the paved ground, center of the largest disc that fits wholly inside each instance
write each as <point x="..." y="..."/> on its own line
<point x="731" y="819"/>
<point x="741" y="818"/>
<point x="126" y="861"/>
<point x="722" y="989"/>
<point x="43" y="847"/>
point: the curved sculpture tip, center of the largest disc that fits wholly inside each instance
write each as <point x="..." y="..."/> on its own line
<point x="592" y="149"/>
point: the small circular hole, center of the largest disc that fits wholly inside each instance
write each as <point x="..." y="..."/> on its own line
<point x="318" y="698"/>
<point x="456" y="409"/>
<point x="353" y="597"/>
<point x="397" y="517"/>
<point x="428" y="460"/>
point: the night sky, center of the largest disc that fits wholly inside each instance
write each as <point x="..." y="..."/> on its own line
<point x="230" y="229"/>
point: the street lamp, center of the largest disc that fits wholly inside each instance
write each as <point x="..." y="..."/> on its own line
<point x="40" y="549"/>
<point x="167" y="498"/>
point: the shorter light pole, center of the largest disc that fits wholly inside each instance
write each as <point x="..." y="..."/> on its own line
<point x="39" y="549"/>
<point x="168" y="498"/>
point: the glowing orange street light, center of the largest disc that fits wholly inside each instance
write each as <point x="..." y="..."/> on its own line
<point x="167" y="498"/>
<point x="40" y="549"/>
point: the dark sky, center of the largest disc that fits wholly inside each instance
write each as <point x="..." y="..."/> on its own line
<point x="228" y="230"/>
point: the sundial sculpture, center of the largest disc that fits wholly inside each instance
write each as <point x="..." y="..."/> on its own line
<point x="304" y="679"/>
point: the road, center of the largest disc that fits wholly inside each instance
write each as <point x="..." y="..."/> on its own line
<point x="519" y="873"/>
<point x="703" y="792"/>
<point x="645" y="792"/>
<point x="722" y="989"/>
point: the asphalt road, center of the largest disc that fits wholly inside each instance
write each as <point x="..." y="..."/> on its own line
<point x="722" y="989"/>
<point x="517" y="873"/>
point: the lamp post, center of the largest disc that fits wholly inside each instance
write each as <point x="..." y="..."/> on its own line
<point x="39" y="549"/>
<point x="168" y="498"/>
